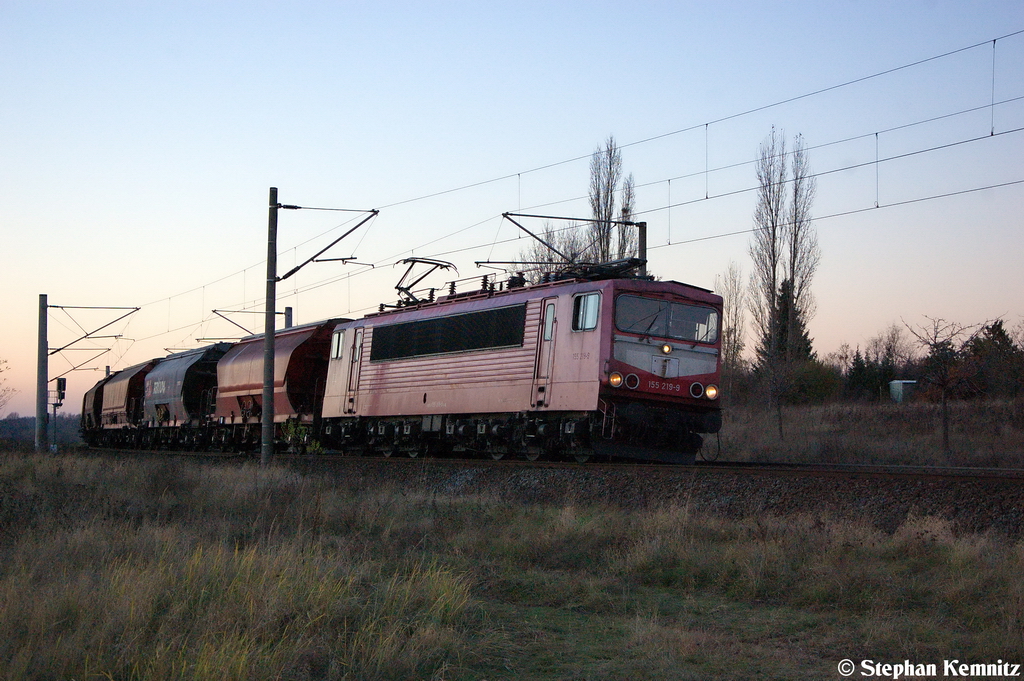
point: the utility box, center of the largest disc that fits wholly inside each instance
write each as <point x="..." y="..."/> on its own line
<point x="901" y="391"/>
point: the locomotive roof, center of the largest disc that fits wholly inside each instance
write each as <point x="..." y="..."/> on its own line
<point x="637" y="283"/>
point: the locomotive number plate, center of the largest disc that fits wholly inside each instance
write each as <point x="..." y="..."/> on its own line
<point x="665" y="386"/>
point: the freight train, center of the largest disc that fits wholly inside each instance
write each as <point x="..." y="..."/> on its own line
<point x="591" y="364"/>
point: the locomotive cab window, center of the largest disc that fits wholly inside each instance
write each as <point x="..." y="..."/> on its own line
<point x="665" y="319"/>
<point x="584" y="311"/>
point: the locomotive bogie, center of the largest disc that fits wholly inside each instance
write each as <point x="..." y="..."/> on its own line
<point x="496" y="435"/>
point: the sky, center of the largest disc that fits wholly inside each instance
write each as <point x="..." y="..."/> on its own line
<point x="140" y="141"/>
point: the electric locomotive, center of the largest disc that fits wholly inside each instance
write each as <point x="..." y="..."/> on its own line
<point x="614" y="367"/>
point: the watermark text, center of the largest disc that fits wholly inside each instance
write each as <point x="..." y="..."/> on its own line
<point x="947" y="668"/>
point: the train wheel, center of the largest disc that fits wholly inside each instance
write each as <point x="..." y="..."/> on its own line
<point x="497" y="455"/>
<point x="532" y="453"/>
<point x="413" y="453"/>
<point x="582" y="455"/>
<point x="711" y="453"/>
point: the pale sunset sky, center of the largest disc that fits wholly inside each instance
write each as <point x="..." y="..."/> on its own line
<point x="140" y="140"/>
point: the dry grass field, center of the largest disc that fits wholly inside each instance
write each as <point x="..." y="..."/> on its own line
<point x="160" y="569"/>
<point x="982" y="433"/>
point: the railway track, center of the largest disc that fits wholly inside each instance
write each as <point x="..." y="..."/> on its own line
<point x="875" y="470"/>
<point x="706" y="467"/>
<point x="714" y="467"/>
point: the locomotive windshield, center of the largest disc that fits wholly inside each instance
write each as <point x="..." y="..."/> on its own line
<point x="664" y="319"/>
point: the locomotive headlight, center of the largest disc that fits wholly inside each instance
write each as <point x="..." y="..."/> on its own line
<point x="712" y="392"/>
<point x="615" y="379"/>
<point x="666" y="348"/>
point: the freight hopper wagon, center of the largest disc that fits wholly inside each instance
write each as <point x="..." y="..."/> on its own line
<point x="112" y="410"/>
<point x="161" y="403"/>
<point x="212" y="396"/>
<point x="619" y="368"/>
<point x="180" y="393"/>
<point x="300" y="372"/>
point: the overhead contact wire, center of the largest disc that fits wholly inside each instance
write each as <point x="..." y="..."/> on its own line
<point x="705" y="171"/>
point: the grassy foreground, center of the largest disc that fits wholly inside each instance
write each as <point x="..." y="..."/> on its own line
<point x="164" y="570"/>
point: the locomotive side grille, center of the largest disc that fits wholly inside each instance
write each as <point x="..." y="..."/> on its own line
<point x="485" y="379"/>
<point x="486" y="329"/>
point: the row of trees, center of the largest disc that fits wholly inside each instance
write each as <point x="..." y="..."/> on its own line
<point x="948" y="358"/>
<point x="947" y="361"/>
<point x="944" y="358"/>
<point x="19" y="432"/>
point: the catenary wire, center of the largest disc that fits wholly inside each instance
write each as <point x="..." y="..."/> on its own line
<point x="746" y="112"/>
<point x="630" y="144"/>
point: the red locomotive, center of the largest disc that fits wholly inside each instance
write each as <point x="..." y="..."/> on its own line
<point x="587" y="365"/>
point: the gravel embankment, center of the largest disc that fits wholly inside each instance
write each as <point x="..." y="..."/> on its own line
<point x="973" y="505"/>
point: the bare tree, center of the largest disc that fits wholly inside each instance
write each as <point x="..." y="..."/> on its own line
<point x="605" y="172"/>
<point x="733" y="289"/>
<point x="767" y="250"/>
<point x="785" y="254"/>
<point x="891" y="347"/>
<point x="944" y="367"/>
<point x="1017" y="334"/>
<point x="784" y="248"/>
<point x="627" y="236"/>
<point x="804" y="254"/>
<point x="604" y="239"/>
<point x="6" y="392"/>
<point x="570" y="240"/>
<point x="840" y="359"/>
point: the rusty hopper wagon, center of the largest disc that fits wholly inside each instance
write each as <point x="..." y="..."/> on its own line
<point x="300" y="372"/>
